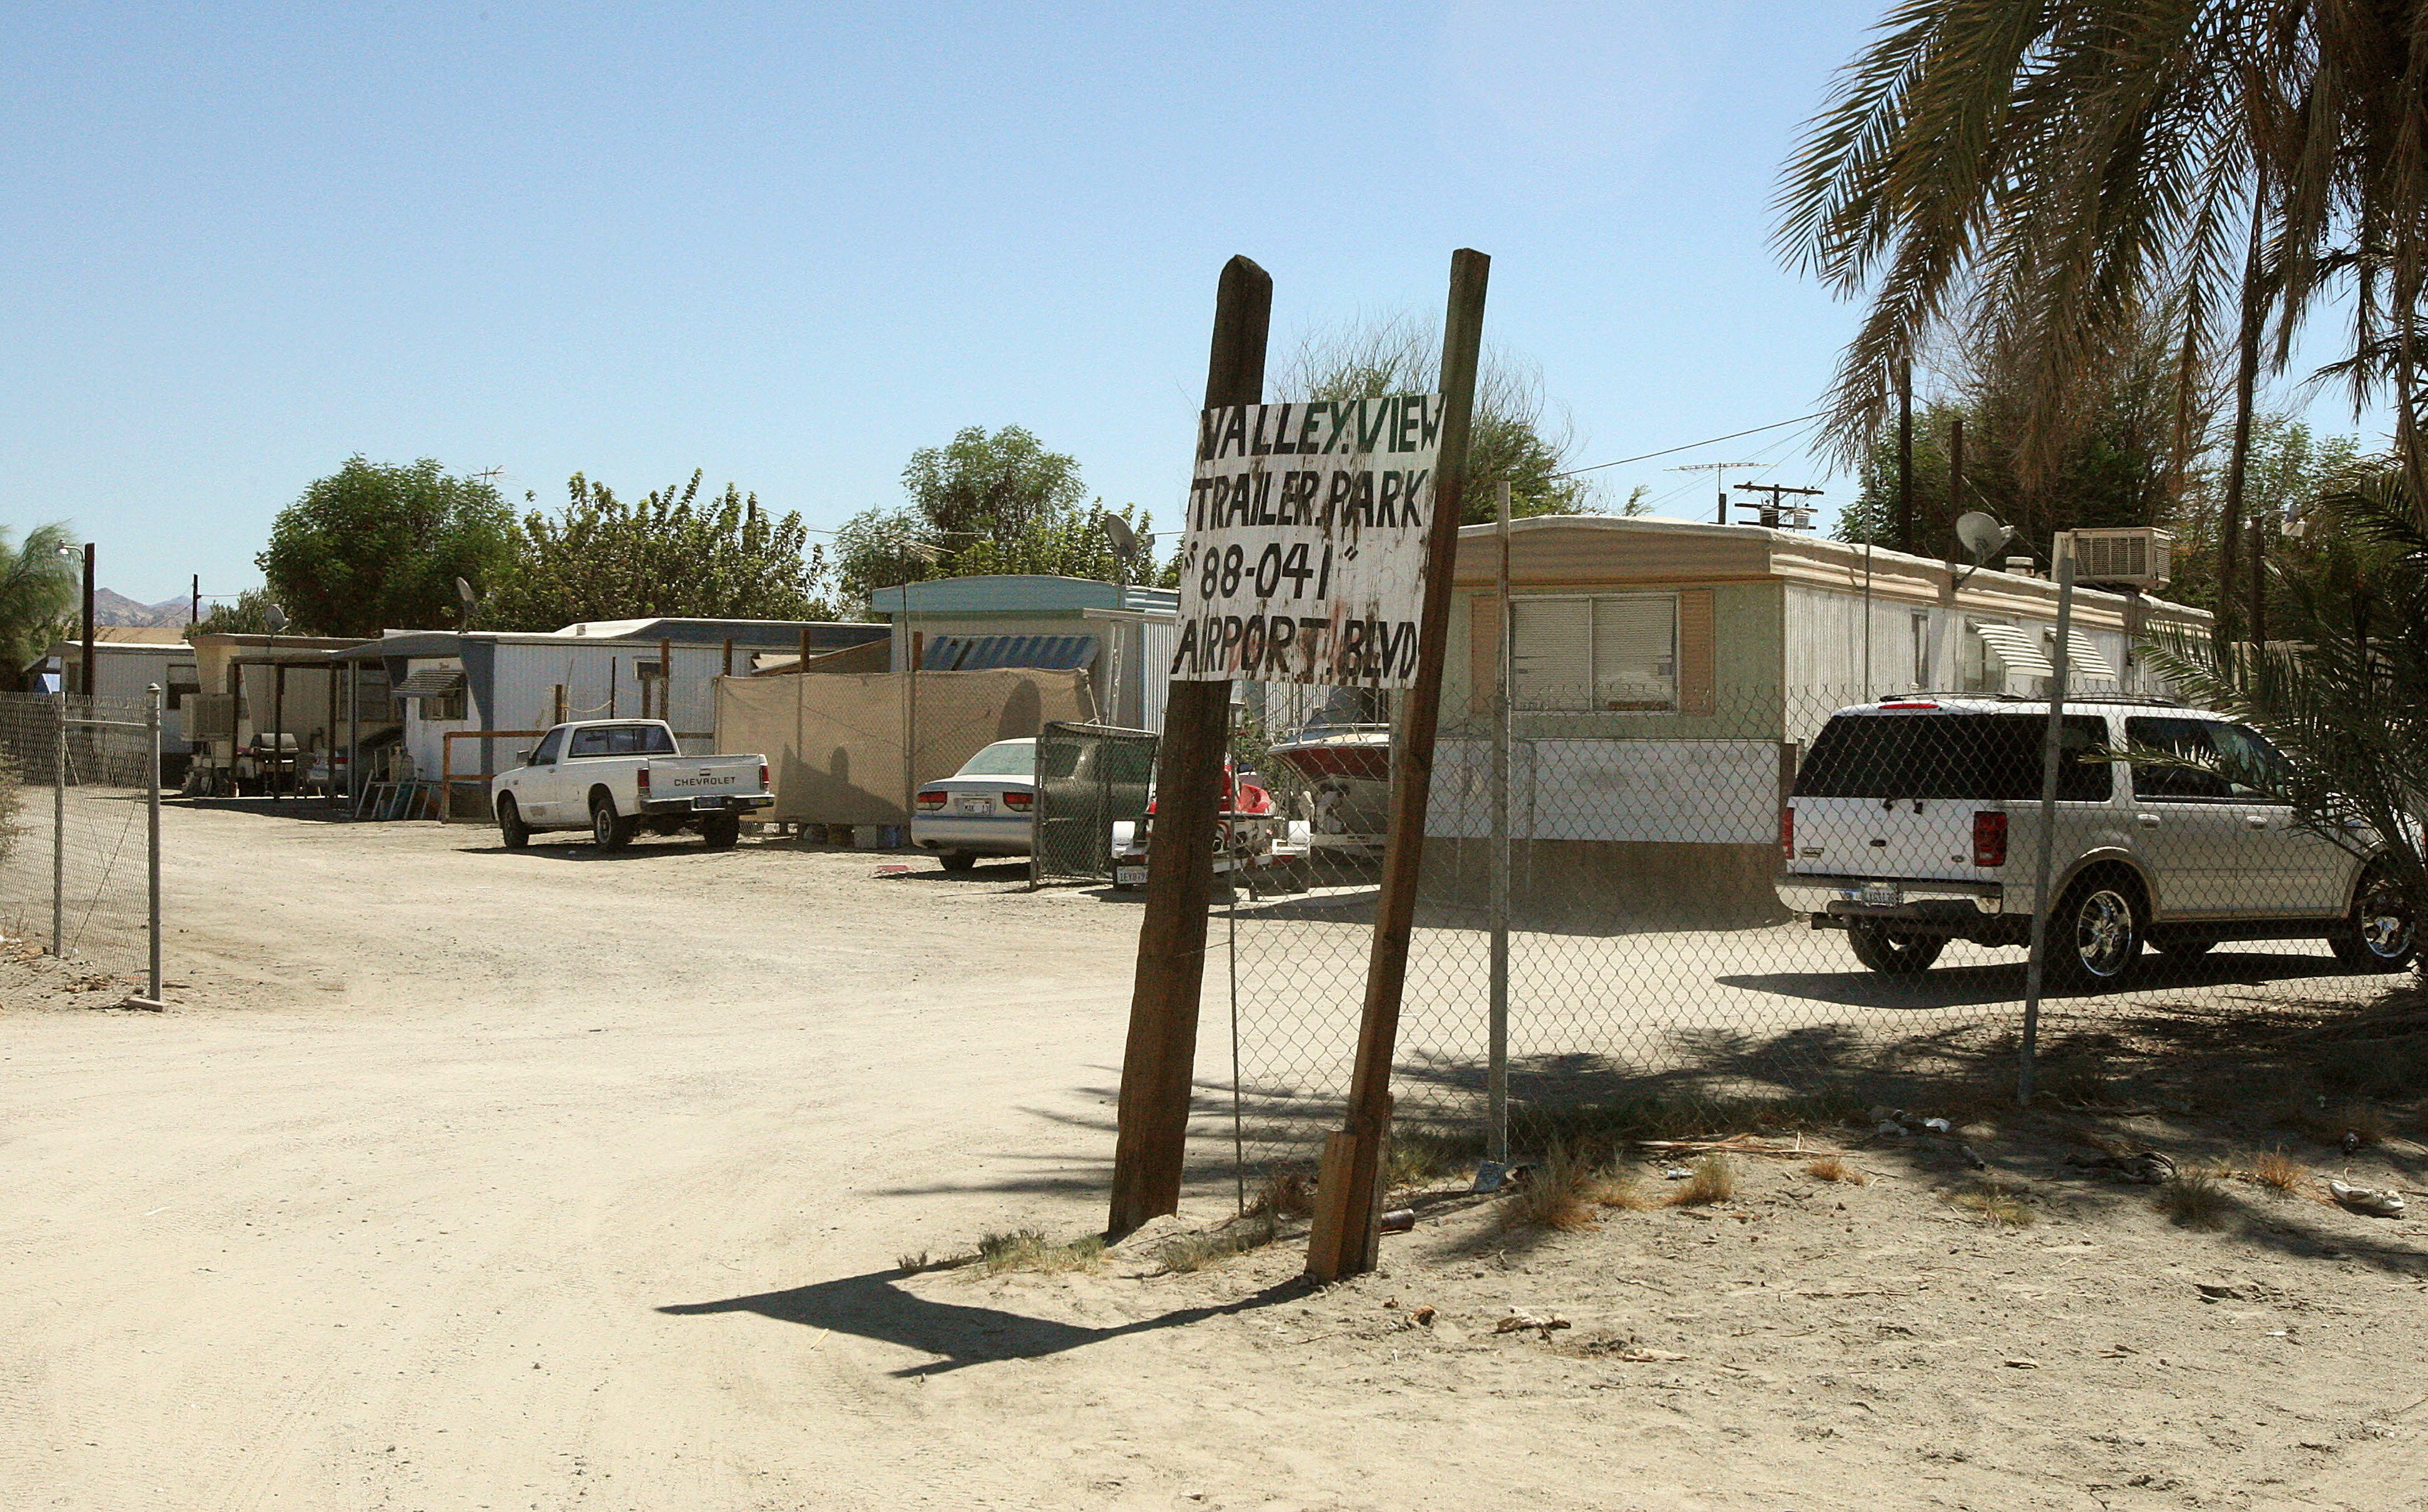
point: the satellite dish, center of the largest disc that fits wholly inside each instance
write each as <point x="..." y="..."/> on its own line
<point x="1982" y="534"/>
<point x="468" y="599"/>
<point x="274" y="617"/>
<point x="1117" y="531"/>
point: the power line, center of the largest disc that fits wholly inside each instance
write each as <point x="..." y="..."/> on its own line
<point x="1691" y="445"/>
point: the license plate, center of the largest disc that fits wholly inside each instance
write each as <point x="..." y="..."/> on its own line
<point x="1130" y="876"/>
<point x="976" y="805"/>
<point x="1881" y="894"/>
<point x="708" y="803"/>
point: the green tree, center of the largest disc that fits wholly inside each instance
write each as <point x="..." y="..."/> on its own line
<point x="247" y="614"/>
<point x="672" y="553"/>
<point x="376" y="546"/>
<point x="1509" y="441"/>
<point x="38" y="586"/>
<point x="987" y="504"/>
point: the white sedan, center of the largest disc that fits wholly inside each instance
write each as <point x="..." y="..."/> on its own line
<point x="988" y="808"/>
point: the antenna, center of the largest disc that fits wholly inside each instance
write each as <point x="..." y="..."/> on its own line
<point x="1722" y="518"/>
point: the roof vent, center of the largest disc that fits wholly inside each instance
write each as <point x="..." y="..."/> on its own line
<point x="2140" y="556"/>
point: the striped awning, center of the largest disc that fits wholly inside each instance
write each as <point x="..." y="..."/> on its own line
<point x="2021" y="652"/>
<point x="2082" y="660"/>
<point x="977" y="654"/>
<point x="432" y="682"/>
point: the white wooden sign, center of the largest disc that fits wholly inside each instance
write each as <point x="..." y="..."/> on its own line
<point x="1305" y="555"/>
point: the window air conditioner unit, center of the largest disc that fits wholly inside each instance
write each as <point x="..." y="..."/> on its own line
<point x="2139" y="556"/>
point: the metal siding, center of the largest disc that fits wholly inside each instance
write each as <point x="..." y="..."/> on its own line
<point x="1161" y="638"/>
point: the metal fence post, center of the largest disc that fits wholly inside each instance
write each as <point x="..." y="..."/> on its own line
<point x="1497" y="1058"/>
<point x="60" y="832"/>
<point x="2051" y="744"/>
<point x="152" y="817"/>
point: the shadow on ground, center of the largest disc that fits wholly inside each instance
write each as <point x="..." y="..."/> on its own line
<point x="874" y="1306"/>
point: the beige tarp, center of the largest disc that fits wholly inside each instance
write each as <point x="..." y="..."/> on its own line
<point x="835" y="743"/>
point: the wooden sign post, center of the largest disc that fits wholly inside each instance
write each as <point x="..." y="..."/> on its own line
<point x="1349" y="1187"/>
<point x="1160" y="1063"/>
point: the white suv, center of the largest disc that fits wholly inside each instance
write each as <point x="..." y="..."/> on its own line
<point x="1915" y="821"/>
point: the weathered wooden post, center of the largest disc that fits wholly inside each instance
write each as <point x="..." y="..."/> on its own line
<point x="1160" y="1061"/>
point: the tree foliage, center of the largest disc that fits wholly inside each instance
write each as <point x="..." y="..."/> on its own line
<point x="986" y="503"/>
<point x="2060" y="171"/>
<point x="247" y="614"/>
<point x="376" y="546"/>
<point x="672" y="553"/>
<point x="38" y="589"/>
<point x="1509" y="439"/>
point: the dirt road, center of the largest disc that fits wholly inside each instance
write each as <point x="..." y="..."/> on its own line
<point x="463" y="1179"/>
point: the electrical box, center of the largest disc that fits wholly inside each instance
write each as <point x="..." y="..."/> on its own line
<point x="2139" y="556"/>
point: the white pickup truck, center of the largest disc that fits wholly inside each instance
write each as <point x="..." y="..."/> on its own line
<point x="617" y="777"/>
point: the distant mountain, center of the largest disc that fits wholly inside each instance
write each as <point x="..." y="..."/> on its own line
<point x="117" y="609"/>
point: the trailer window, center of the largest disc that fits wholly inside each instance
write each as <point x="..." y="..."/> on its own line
<point x="1993" y="757"/>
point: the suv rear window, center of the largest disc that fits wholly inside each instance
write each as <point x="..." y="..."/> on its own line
<point x="1993" y="757"/>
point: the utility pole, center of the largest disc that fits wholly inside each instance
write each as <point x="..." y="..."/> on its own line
<point x="1768" y="518"/>
<point x="1954" y="476"/>
<point x="1905" y="454"/>
<point x="1720" y="516"/>
<point x="89" y="632"/>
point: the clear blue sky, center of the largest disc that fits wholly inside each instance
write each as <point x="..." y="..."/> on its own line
<point x="791" y="243"/>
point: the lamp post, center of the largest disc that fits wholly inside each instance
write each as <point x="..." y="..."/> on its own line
<point x="70" y="551"/>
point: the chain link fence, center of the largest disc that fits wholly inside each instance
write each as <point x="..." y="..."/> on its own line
<point x="1656" y="953"/>
<point x="79" y="789"/>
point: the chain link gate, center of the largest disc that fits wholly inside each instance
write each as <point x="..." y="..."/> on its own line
<point x="1090" y="779"/>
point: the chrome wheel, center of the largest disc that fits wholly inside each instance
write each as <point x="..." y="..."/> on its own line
<point x="2381" y="935"/>
<point x="2104" y="933"/>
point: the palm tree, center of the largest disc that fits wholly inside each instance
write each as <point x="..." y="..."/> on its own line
<point x="37" y="592"/>
<point x="2055" y="169"/>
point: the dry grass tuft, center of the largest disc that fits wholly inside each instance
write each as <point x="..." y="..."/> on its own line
<point x="2276" y="1171"/>
<point x="1027" y="1249"/>
<point x="1838" y="1168"/>
<point x="1622" y="1185"/>
<point x="1714" y="1180"/>
<point x="1558" y="1193"/>
<point x="2000" y="1202"/>
<point x="2194" y="1198"/>
<point x="1420" y="1157"/>
<point x="1189" y="1252"/>
<point x="2363" y="1119"/>
<point x="1286" y="1195"/>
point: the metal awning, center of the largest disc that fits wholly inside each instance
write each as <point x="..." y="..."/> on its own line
<point x="2083" y="660"/>
<point x="977" y="654"/>
<point x="2017" y="650"/>
<point x="432" y="682"/>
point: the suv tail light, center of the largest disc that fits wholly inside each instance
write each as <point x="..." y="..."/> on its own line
<point x="932" y="802"/>
<point x="1787" y="833"/>
<point x="1990" y="838"/>
<point x="1019" y="802"/>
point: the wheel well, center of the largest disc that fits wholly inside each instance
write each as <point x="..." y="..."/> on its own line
<point x="599" y="791"/>
<point x="505" y="801"/>
<point x="2117" y="872"/>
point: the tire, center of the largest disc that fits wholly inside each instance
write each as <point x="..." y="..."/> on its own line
<point x="2181" y="949"/>
<point x="2379" y="935"/>
<point x="2097" y="933"/>
<point x="720" y="832"/>
<point x="958" y="861"/>
<point x="511" y="828"/>
<point x="1883" y="949"/>
<point x="609" y="830"/>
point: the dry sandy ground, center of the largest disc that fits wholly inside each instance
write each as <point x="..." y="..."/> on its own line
<point x="460" y="1179"/>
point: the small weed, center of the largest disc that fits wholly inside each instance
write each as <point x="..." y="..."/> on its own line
<point x="1838" y="1168"/>
<point x="1558" y="1193"/>
<point x="1285" y="1194"/>
<point x="2194" y="1198"/>
<point x="1027" y="1249"/>
<point x="910" y="1264"/>
<point x="1714" y="1180"/>
<point x="1194" y="1252"/>
<point x="2365" y="1121"/>
<point x="2000" y="1202"/>
<point x="1622" y="1187"/>
<point x="2276" y="1171"/>
<point x="1419" y="1156"/>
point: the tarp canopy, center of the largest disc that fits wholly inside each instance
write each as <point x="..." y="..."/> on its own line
<point x="850" y="748"/>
